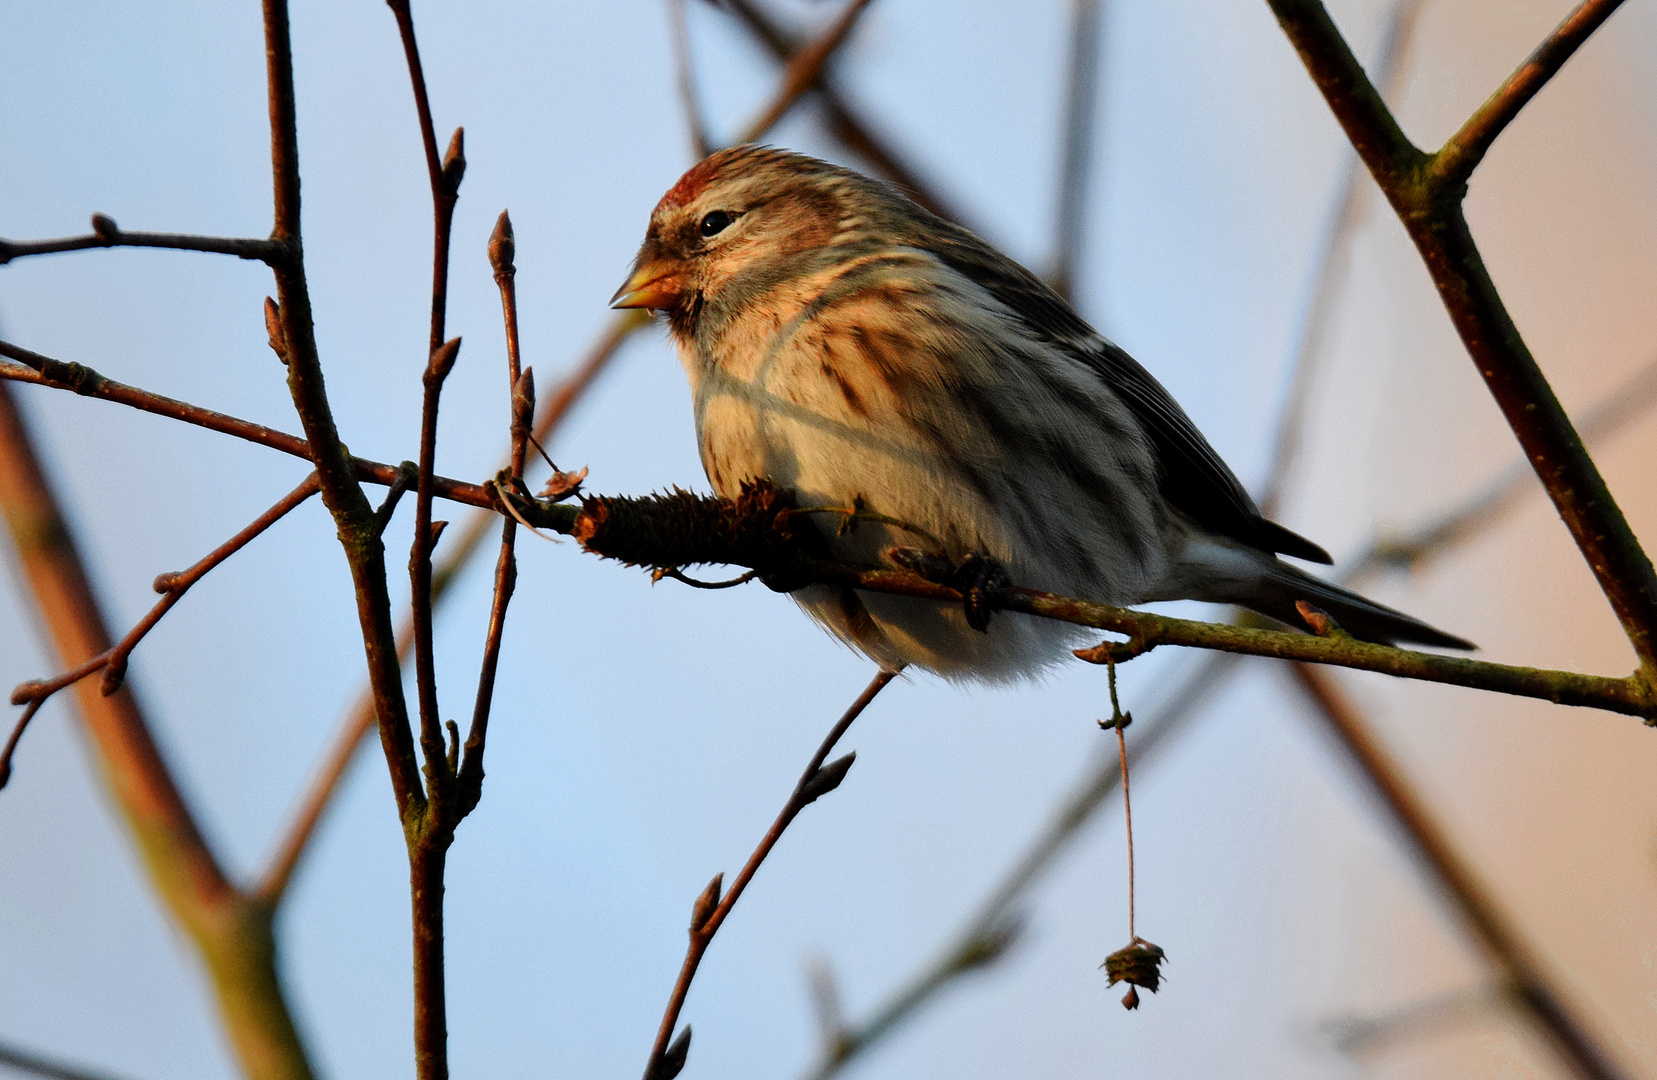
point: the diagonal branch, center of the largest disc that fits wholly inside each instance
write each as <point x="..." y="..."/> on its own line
<point x="804" y="71"/>
<point x="1480" y="915"/>
<point x="995" y="923"/>
<point x="80" y="379"/>
<point x="710" y="910"/>
<point x="1461" y="154"/>
<point x="113" y="660"/>
<point x="232" y="935"/>
<point x="1434" y="220"/>
<point x="847" y="126"/>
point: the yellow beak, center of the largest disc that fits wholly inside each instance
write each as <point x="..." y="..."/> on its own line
<point x="653" y="285"/>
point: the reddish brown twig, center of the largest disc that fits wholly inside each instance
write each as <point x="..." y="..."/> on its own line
<point x="1461" y="154"/>
<point x="77" y="378"/>
<point x="521" y="400"/>
<point x="710" y="910"/>
<point x="1430" y="208"/>
<point x="106" y="234"/>
<point x="1479" y="913"/>
<point x="113" y="661"/>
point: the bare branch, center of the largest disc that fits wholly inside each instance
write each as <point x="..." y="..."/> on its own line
<point x="805" y="69"/>
<point x="1445" y="532"/>
<point x="106" y="234"/>
<point x="1480" y="915"/>
<point x="346" y="502"/>
<point x="30" y="1061"/>
<point x="113" y="661"/>
<point x="711" y="911"/>
<point x="1461" y="154"/>
<point x="77" y="378"/>
<point x="994" y="924"/>
<point x="1345" y="215"/>
<point x="1434" y="220"/>
<point x="232" y="934"/>
<point x="681" y="529"/>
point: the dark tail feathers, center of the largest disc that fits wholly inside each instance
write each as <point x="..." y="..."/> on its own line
<point x="1364" y="619"/>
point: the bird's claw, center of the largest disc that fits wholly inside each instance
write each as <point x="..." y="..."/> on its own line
<point x="981" y="581"/>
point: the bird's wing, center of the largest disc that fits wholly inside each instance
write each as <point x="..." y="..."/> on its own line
<point x="1193" y="477"/>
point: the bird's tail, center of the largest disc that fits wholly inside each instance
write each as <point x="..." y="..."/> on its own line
<point x="1276" y="591"/>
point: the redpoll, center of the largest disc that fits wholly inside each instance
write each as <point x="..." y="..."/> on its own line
<point x="844" y="343"/>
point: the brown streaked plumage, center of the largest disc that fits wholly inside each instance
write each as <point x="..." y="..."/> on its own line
<point x="845" y="343"/>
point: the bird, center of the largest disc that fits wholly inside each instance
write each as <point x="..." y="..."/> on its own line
<point x="927" y="395"/>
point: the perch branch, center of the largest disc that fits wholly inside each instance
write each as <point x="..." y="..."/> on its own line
<point x="804" y="70"/>
<point x="681" y="529"/>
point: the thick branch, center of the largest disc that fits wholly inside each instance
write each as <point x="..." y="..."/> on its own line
<point x="1435" y="222"/>
<point x="1461" y="154"/>
<point x="232" y="934"/>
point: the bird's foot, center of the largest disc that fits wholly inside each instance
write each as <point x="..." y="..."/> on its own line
<point x="981" y="580"/>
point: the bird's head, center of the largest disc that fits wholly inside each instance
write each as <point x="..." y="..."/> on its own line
<point x="739" y="224"/>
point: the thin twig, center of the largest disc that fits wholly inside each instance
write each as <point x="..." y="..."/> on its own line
<point x="1472" y="517"/>
<point x="846" y="125"/>
<point x="456" y="554"/>
<point x="1527" y="984"/>
<point x="113" y="661"/>
<point x="804" y="71"/>
<point x="106" y="234"/>
<point x="1463" y="151"/>
<point x="41" y="370"/>
<point x="993" y="925"/>
<point x="711" y="911"/>
<point x="520" y="386"/>
<point x="684" y="70"/>
<point x="1076" y="156"/>
<point x="354" y="518"/>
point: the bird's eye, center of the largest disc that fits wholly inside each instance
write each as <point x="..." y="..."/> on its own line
<point x="715" y="223"/>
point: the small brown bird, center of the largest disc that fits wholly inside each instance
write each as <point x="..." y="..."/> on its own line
<point x="845" y="343"/>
